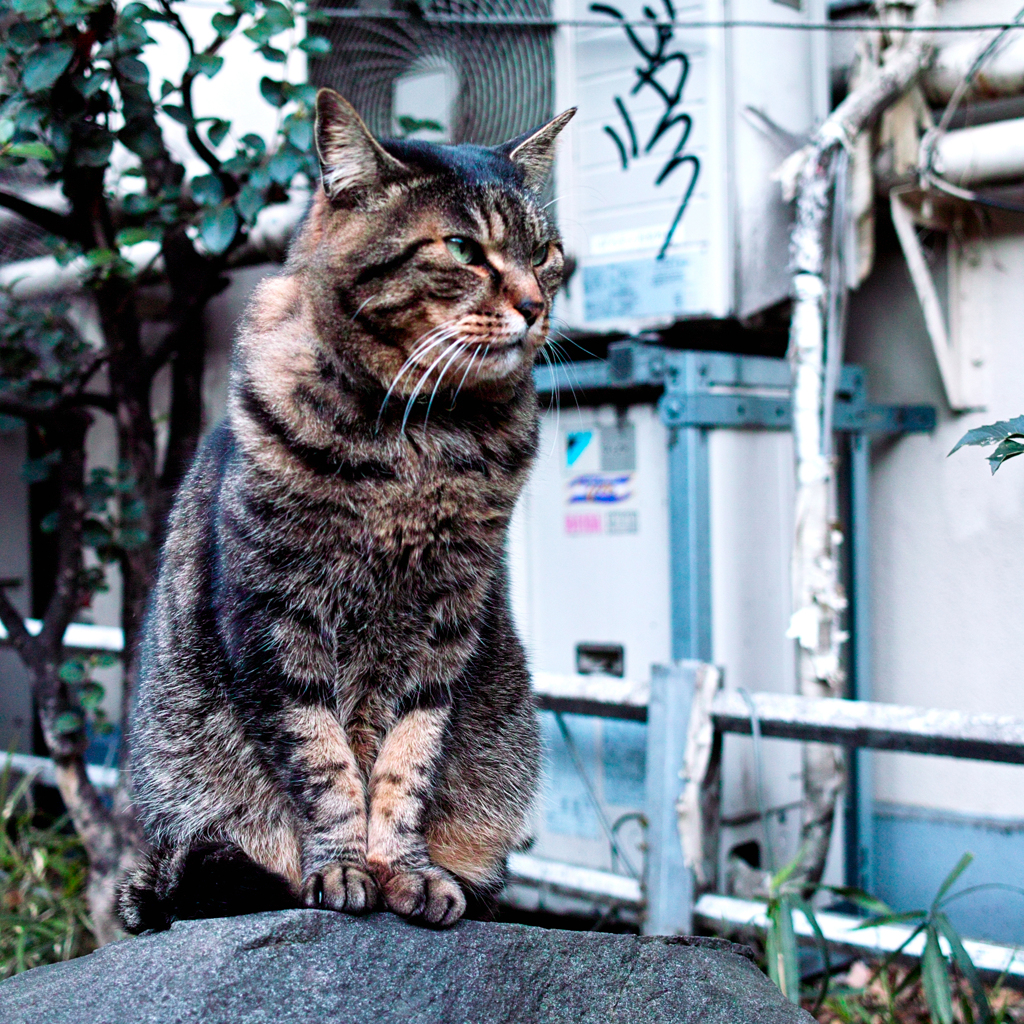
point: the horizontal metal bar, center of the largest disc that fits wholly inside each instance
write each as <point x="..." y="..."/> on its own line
<point x="725" y="391"/>
<point x="601" y="696"/>
<point x="844" y="930"/>
<point x="80" y="635"/>
<point x="878" y="726"/>
<point x="571" y="880"/>
<point x="43" y="769"/>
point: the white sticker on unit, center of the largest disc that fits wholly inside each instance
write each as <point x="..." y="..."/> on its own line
<point x="629" y="240"/>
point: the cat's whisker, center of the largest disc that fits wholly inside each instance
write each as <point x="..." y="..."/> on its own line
<point x="555" y="401"/>
<point x="430" y="369"/>
<point x="458" y="351"/>
<point x="469" y="366"/>
<point x="424" y="344"/>
<point x="362" y="306"/>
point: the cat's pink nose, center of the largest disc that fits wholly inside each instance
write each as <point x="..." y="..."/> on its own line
<point x="530" y="310"/>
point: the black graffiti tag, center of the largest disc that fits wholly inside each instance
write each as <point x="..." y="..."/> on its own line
<point x="672" y="66"/>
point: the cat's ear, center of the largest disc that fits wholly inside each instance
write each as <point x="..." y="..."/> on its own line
<point x="351" y="159"/>
<point x="534" y="152"/>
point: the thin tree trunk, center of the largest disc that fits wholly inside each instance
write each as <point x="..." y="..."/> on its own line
<point x="818" y="599"/>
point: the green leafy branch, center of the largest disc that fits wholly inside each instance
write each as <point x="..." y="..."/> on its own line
<point x="1006" y="435"/>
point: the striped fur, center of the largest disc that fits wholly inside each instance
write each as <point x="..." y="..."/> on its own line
<point x="334" y="708"/>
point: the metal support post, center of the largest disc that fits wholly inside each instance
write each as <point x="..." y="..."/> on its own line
<point x="860" y="855"/>
<point x="668" y="883"/>
<point x="690" y="541"/>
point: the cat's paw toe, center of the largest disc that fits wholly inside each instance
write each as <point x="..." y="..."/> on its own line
<point x="340" y="887"/>
<point x="430" y="897"/>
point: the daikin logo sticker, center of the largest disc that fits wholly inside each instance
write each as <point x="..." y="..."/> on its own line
<point x="576" y="444"/>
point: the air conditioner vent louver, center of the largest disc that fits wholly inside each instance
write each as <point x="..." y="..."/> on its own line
<point x="504" y="75"/>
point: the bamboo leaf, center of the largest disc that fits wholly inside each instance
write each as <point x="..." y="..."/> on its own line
<point x="822" y="944"/>
<point x="935" y="979"/>
<point x="966" y="965"/>
<point x="961" y="866"/>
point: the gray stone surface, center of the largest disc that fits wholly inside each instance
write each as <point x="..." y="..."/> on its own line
<point x="316" y="966"/>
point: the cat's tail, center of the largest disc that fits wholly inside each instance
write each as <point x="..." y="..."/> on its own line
<point x="207" y="880"/>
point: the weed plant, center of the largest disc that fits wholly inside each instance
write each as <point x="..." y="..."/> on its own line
<point x="43" y="913"/>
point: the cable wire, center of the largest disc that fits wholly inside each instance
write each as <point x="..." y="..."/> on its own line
<point x="592" y="793"/>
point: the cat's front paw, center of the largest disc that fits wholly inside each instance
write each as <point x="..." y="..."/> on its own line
<point x="338" y="886"/>
<point x="430" y="896"/>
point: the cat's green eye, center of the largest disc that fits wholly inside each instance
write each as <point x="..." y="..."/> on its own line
<point x="465" y="250"/>
<point x="540" y="254"/>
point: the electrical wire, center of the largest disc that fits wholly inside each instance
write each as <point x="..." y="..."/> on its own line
<point x="514" y="21"/>
<point x="762" y="808"/>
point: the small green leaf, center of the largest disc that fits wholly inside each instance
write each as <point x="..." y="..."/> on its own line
<point x="91" y="695"/>
<point x="273" y="92"/>
<point x="33" y="10"/>
<point x="96" y="80"/>
<point x="132" y="236"/>
<point x="133" y="69"/>
<point x="225" y="24"/>
<point x="73" y="671"/>
<point x="254" y="142"/>
<point x="285" y="164"/>
<point x="249" y="202"/>
<point x="49" y="522"/>
<point x="177" y="113"/>
<point x="299" y="132"/>
<point x="217" y="132"/>
<point x="207" y="190"/>
<point x="277" y="16"/>
<point x="935" y="979"/>
<point x="105" y="660"/>
<point x="142" y="136"/>
<point x="243" y="6"/>
<point x="205" y="64"/>
<point x="139" y="205"/>
<point x="31" y="150"/>
<point x="315" y="46"/>
<point x="46" y="65"/>
<point x="67" y="722"/>
<point x="217" y="229"/>
<point x="273" y="54"/>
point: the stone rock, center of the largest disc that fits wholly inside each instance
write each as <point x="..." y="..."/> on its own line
<point x="316" y="966"/>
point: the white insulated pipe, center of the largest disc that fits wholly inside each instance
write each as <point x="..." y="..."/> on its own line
<point x="1002" y="74"/>
<point x="987" y="153"/>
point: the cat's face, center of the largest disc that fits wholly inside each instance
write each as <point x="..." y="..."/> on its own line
<point x="440" y="262"/>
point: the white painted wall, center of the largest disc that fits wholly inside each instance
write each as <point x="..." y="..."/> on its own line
<point x="947" y="537"/>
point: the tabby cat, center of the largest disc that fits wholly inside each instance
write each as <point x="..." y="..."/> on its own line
<point x="334" y="708"/>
